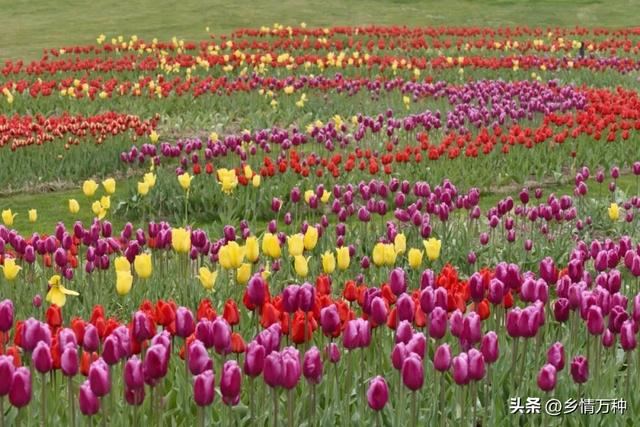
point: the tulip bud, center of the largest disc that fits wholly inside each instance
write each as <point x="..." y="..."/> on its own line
<point x="547" y="377"/>
<point x="204" y="388"/>
<point x="312" y="365"/>
<point x="230" y="382"/>
<point x="580" y="369"/>
<point x="412" y="372"/>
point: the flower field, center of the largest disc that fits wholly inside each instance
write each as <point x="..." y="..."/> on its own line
<point x="318" y="226"/>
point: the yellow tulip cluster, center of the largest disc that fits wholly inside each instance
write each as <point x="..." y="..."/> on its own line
<point x="148" y="182"/>
<point x="329" y="260"/>
<point x="98" y="207"/>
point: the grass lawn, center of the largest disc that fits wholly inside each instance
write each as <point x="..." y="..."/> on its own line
<point x="30" y="25"/>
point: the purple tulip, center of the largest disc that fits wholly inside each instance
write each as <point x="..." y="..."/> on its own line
<point x="89" y="402"/>
<point x="6" y="315"/>
<point x="476" y="365"/>
<point x="398" y="281"/>
<point x="377" y="393"/>
<point x="628" y="336"/>
<point x="254" y="359"/>
<point x="547" y="377"/>
<point x="133" y="373"/>
<point x="412" y="372"/>
<point x="490" y="347"/>
<point x="41" y="358"/>
<point x="221" y="336"/>
<point x="555" y="356"/>
<point x="155" y="363"/>
<point x="329" y="319"/>
<point x="273" y="369"/>
<point x="185" y="324"/>
<point x="69" y="360"/>
<point x="405" y="308"/>
<point x="580" y="369"/>
<point x="230" y="382"/>
<point x="198" y="358"/>
<point x="437" y="323"/>
<point x="291" y="369"/>
<point x="460" y="365"/>
<point x="204" y="388"/>
<point x="6" y="374"/>
<point x="312" y="365"/>
<point x="99" y="378"/>
<point x="333" y="352"/>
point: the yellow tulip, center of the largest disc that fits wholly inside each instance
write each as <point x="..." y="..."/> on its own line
<point x="325" y="197"/>
<point x="207" y="278"/>
<point x="109" y="185"/>
<point x="231" y="255"/>
<point x="153" y="136"/>
<point x="310" y="238"/>
<point x="378" y="254"/>
<point x="150" y="179"/>
<point x="143" y="265"/>
<point x="248" y="173"/>
<point x="185" y="181"/>
<point x="124" y="281"/>
<point x="271" y="245"/>
<point x="57" y="292"/>
<point x="74" y="206"/>
<point x="390" y="254"/>
<point x="89" y="187"/>
<point x="7" y="217"/>
<point x="415" y="258"/>
<point x="98" y="210"/>
<point x="328" y="262"/>
<point x="295" y="244"/>
<point x="343" y="257"/>
<point x="614" y="212"/>
<point x="105" y="202"/>
<point x="255" y="181"/>
<point x="400" y="243"/>
<point x="181" y="240"/>
<point x="33" y="215"/>
<point x="432" y="248"/>
<point x="252" y="250"/>
<point x="10" y="269"/>
<point x="301" y="265"/>
<point x="228" y="180"/>
<point x="243" y="273"/>
<point x="121" y="263"/>
<point x="307" y="195"/>
<point x="143" y="188"/>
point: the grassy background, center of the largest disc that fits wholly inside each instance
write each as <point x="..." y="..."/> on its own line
<point x="28" y="26"/>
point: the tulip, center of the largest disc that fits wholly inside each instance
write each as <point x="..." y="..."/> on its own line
<point x="332" y="352"/>
<point x="133" y="373"/>
<point x="185" y="324"/>
<point x="89" y="187"/>
<point x="490" y="347"/>
<point x="547" y="377"/>
<point x="398" y="281"/>
<point x="33" y="215"/>
<point x="254" y="359"/>
<point x="271" y="245"/>
<point x="555" y="355"/>
<point x="57" y="292"/>
<point x="90" y="339"/>
<point x="143" y="266"/>
<point x="628" y="336"/>
<point x="460" y="365"/>
<point x="415" y="258"/>
<point x="329" y="320"/>
<point x="252" y="249"/>
<point x="295" y="244"/>
<point x="312" y="365"/>
<point x="74" y="206"/>
<point x="614" y="211"/>
<point x="8" y="217"/>
<point x="198" y="358"/>
<point x="328" y="262"/>
<point x="377" y="393"/>
<point x="207" y="278"/>
<point x="7" y="369"/>
<point x="124" y="282"/>
<point x="291" y="369"/>
<point x="301" y="266"/>
<point x="20" y="392"/>
<point x="6" y="315"/>
<point x="580" y="369"/>
<point x="442" y="358"/>
<point x="432" y="248"/>
<point x="230" y="382"/>
<point x="41" y="358"/>
<point x="204" y="388"/>
<point x="379" y="311"/>
<point x="109" y="185"/>
<point x="181" y="240"/>
<point x="273" y="369"/>
<point x="405" y="308"/>
<point x="344" y="258"/>
<point x="10" y="269"/>
<point x="476" y="365"/>
<point x="412" y="372"/>
<point x="310" y="238"/>
<point x="99" y="378"/>
<point x="231" y="255"/>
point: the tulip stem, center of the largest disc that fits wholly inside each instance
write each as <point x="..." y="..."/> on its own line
<point x="43" y="402"/>
<point x="313" y="405"/>
<point x="252" y="402"/>
<point x="71" y="402"/>
<point x="628" y="373"/>
<point x="1" y="411"/>
<point x="414" y="409"/>
<point x="275" y="407"/>
<point x="200" y="416"/>
<point x="474" y="398"/>
<point x="441" y="402"/>
<point x="290" y="398"/>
